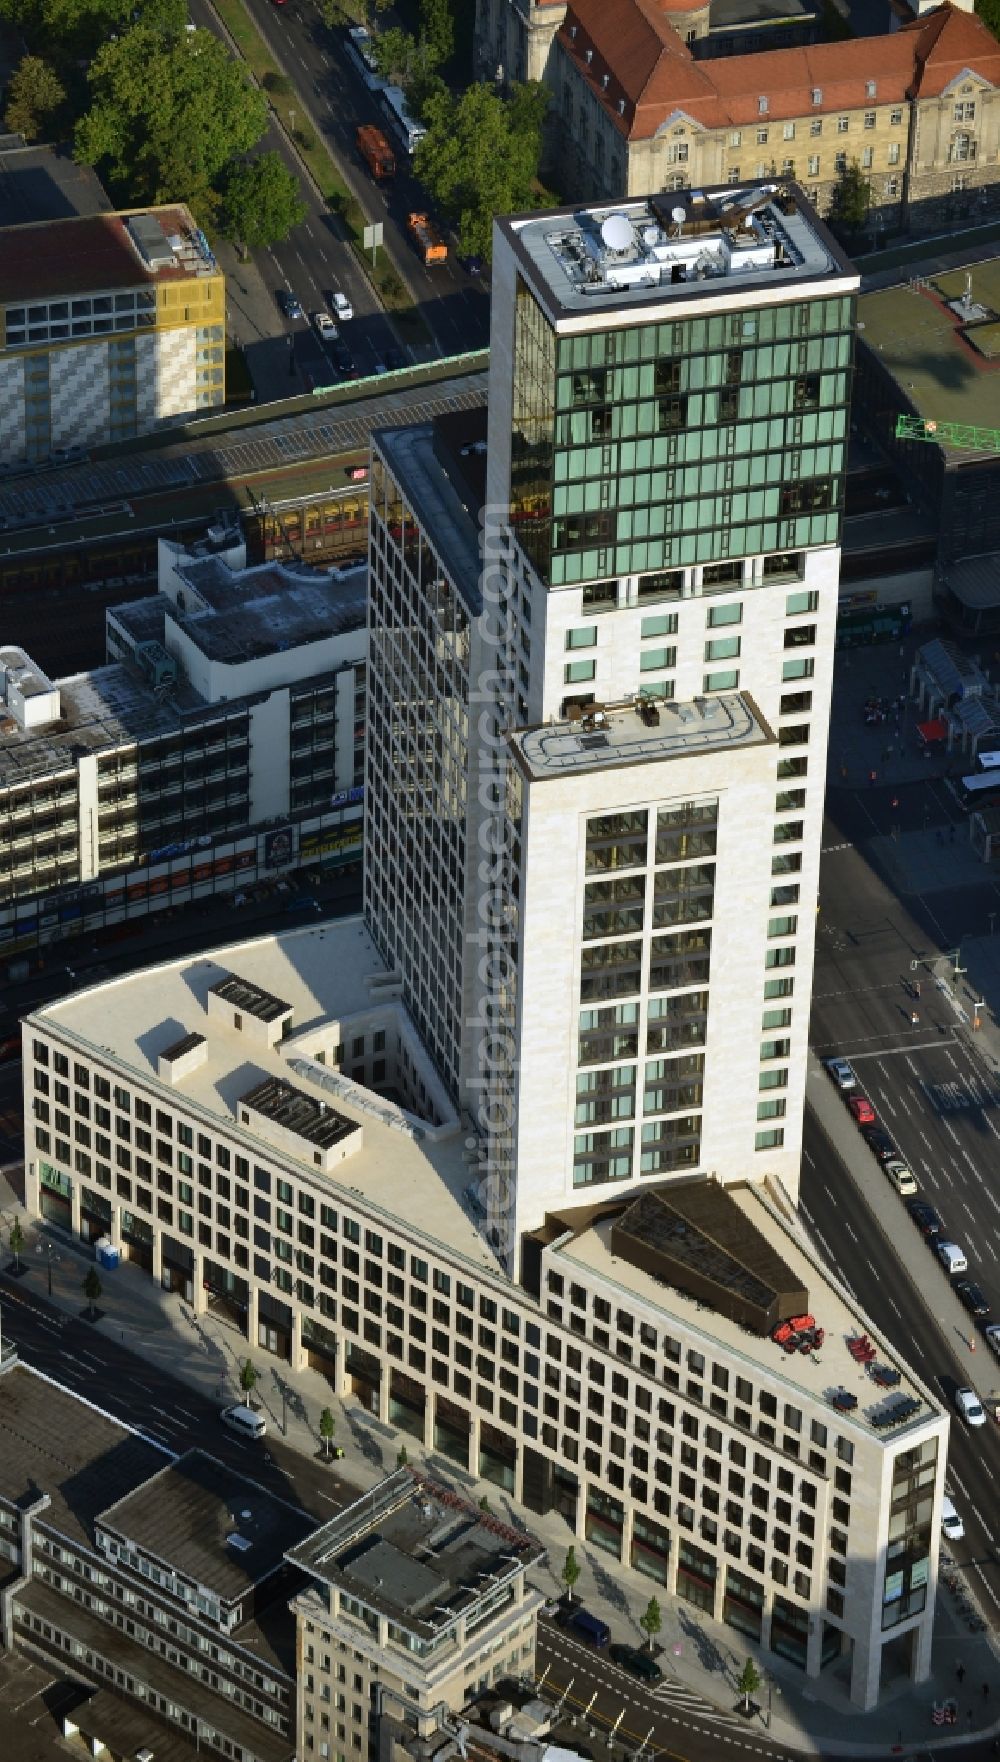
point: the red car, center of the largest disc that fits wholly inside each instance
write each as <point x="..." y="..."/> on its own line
<point x="862" y="1110"/>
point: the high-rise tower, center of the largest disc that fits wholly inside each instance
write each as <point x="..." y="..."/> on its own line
<point x="652" y="651"/>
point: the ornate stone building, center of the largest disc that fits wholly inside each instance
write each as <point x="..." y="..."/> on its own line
<point x="918" y="110"/>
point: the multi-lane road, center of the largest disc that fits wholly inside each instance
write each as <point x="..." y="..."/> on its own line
<point x="935" y="1086"/>
<point x="314" y="259"/>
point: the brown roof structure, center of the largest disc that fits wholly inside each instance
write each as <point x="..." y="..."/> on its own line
<point x="85" y="254"/>
<point x="651" y="73"/>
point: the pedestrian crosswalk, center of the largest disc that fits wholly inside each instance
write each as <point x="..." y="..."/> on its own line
<point x="671" y="1693"/>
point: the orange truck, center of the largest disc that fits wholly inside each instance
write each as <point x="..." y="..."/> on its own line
<point x="427" y="239"/>
<point x="376" y="151"/>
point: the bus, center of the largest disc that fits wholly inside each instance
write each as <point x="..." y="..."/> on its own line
<point x="981" y="790"/>
<point x="359" y="48"/>
<point x="401" y="123"/>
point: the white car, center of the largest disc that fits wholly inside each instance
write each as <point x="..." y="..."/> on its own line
<point x="992" y="1337"/>
<point x="952" y="1258"/>
<point x="326" y="330"/>
<point x="970" y="1407"/>
<point x="342" y="307"/>
<point x="951" y="1524"/>
<point x="841" y="1072"/>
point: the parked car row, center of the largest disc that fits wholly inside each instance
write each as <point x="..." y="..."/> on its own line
<point x="882" y="1147"/>
<point x="928" y="1221"/>
<point x="573" y="1618"/>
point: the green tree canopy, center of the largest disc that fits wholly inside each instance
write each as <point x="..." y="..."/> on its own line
<point x="749" y="1682"/>
<point x="167" y="114"/>
<point x="92" y="1289"/>
<point x="851" y="199"/>
<point x="249" y="1376"/>
<point x="989" y="12"/>
<point x="437" y="28"/>
<point x="651" y="1620"/>
<point x="71" y="31"/>
<point x="480" y="157"/>
<point x="260" y="201"/>
<point x="35" y="96"/>
<point x="571" y="1571"/>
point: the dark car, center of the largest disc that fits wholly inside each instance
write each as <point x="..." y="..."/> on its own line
<point x="289" y="303"/>
<point x="343" y="360"/>
<point x="973" y="1297"/>
<point x="394" y="360"/>
<point x="473" y="265"/>
<point x="637" y="1663"/>
<point x="925" y="1217"/>
<point x="879" y="1143"/>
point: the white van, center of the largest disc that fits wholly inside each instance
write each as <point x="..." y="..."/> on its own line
<point x="951" y="1524"/>
<point x="952" y="1258"/>
<point x="243" y="1421"/>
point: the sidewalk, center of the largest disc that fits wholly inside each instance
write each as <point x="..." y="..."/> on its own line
<point x="701" y="1660"/>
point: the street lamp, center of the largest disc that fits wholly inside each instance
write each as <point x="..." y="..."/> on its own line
<point x="50" y="1254"/>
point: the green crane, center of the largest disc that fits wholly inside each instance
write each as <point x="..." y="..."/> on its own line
<point x="949" y="434"/>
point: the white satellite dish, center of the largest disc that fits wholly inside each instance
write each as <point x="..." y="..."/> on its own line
<point x="616" y="231"/>
<point x="650" y="235"/>
<point x="679" y="215"/>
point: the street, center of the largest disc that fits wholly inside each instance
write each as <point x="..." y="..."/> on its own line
<point x="454" y="305"/>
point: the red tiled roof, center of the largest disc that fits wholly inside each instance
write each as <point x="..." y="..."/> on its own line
<point x="651" y="72"/>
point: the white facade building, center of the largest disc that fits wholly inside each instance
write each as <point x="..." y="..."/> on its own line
<point x="263" y="1131"/>
<point x="223" y="742"/>
<point x="649" y="654"/>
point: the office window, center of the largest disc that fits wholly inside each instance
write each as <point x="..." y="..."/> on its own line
<point x="576" y="672"/>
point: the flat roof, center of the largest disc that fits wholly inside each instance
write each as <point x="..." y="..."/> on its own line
<point x="126" y="1727"/>
<point x="416" y="1551"/>
<point x="675" y="247"/>
<point x="187" y="1514"/>
<point x="819" y="1374"/>
<point x="627" y="734"/>
<point x="45" y="183"/>
<point x="99" y="711"/>
<point x="53" y="1442"/>
<point x="177" y="1685"/>
<point x="926" y="338"/>
<point x="421" y="469"/>
<point x="252" y="612"/>
<point x="325" y="971"/>
<point x="94" y="253"/>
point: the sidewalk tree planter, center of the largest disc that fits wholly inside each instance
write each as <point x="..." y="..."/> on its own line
<point x="327" y="1427"/>
<point x="748" y="1685"/>
<point x="92" y="1289"/>
<point x="571" y="1572"/>
<point x="16" y="1247"/>
<point x="651" y="1621"/>
<point x="249" y="1378"/>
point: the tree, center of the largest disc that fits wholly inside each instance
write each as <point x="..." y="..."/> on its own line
<point x="749" y="1683"/>
<point x="260" y="201"/>
<point x="437" y="28"/>
<point x="249" y="1378"/>
<point x="401" y="1457"/>
<point x="16" y="1243"/>
<point x="480" y="157"/>
<point x="34" y="95"/>
<point x="571" y="1572"/>
<point x="989" y="12"/>
<point x="92" y="1289"/>
<point x="71" y="31"/>
<point x="327" y="1427"/>
<point x="851" y="199"/>
<point x="484" y="1504"/>
<point x="651" y="1621"/>
<point x="167" y="115"/>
